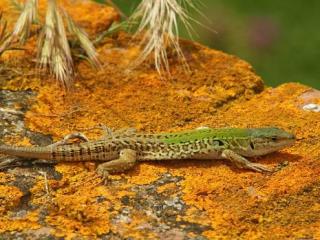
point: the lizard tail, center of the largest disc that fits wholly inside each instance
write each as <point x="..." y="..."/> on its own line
<point x="26" y="152"/>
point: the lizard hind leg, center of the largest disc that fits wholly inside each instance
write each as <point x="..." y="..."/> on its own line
<point x="126" y="160"/>
<point x="242" y="162"/>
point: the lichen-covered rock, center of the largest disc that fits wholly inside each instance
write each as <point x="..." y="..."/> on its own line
<point x="170" y="199"/>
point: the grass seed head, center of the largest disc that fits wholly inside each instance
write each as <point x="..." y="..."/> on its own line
<point x="27" y="17"/>
<point x="84" y="40"/>
<point x="159" y="26"/>
<point x="5" y="37"/>
<point x="54" y="48"/>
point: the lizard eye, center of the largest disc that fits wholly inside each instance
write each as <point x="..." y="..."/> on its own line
<point x="274" y="139"/>
<point x="251" y="145"/>
<point x="219" y="142"/>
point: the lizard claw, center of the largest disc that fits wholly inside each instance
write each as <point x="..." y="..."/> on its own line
<point x="242" y="162"/>
<point x="104" y="174"/>
<point x="258" y="167"/>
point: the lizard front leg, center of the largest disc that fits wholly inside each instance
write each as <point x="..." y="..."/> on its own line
<point x="126" y="160"/>
<point x="242" y="162"/>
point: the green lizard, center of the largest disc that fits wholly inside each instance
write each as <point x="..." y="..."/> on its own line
<point x="121" y="150"/>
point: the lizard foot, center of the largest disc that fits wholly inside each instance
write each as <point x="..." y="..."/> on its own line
<point x="104" y="174"/>
<point x="242" y="162"/>
<point x="258" y="167"/>
<point x="127" y="159"/>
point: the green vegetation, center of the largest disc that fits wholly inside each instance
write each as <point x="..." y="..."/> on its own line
<point x="279" y="38"/>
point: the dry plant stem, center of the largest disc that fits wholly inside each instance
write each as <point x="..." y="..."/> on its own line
<point x="55" y="50"/>
<point x="5" y="45"/>
<point x="5" y="38"/>
<point x="85" y="42"/>
<point x="24" y="22"/>
<point x="160" y="29"/>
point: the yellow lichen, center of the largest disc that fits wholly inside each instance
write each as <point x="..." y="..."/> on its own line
<point x="26" y="223"/>
<point x="222" y="92"/>
<point x="9" y="197"/>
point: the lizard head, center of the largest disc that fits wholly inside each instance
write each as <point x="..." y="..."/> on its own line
<point x="267" y="140"/>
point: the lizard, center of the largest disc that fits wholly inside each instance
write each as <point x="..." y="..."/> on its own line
<point x="119" y="151"/>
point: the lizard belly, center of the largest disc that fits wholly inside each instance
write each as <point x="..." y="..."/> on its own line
<point x="175" y="155"/>
<point x="211" y="155"/>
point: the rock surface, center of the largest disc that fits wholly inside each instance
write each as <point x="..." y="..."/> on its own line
<point x="158" y="200"/>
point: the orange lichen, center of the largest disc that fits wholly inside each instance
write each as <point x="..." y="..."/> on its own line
<point x="79" y="204"/>
<point x="26" y="223"/>
<point x="212" y="190"/>
<point x="17" y="140"/>
<point x="223" y="91"/>
<point x="4" y="177"/>
<point x="167" y="188"/>
<point x="9" y="197"/>
<point x="81" y="11"/>
<point x="144" y="174"/>
<point x="228" y="196"/>
<point x="139" y="227"/>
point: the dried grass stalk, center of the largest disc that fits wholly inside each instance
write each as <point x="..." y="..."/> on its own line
<point x="55" y="52"/>
<point x="25" y="20"/>
<point x="5" y="37"/>
<point x="159" y="26"/>
<point x="84" y="40"/>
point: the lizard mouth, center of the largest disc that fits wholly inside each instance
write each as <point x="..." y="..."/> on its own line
<point x="272" y="145"/>
<point x="287" y="141"/>
<point x="282" y="143"/>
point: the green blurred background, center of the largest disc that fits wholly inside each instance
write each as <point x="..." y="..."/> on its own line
<point x="279" y="38"/>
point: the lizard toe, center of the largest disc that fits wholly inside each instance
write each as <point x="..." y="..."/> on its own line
<point x="104" y="174"/>
<point x="259" y="167"/>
